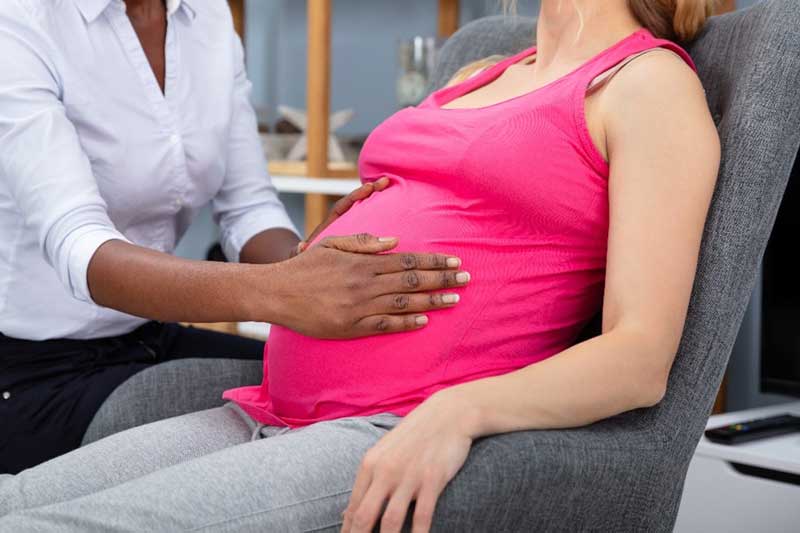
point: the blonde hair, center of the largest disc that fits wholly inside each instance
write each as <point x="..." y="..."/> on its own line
<point x="474" y="68"/>
<point x="676" y="20"/>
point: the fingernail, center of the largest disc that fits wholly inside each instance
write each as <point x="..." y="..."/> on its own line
<point x="450" y="298"/>
<point x="387" y="239"/>
<point x="453" y="262"/>
<point x="421" y="320"/>
<point x="462" y="277"/>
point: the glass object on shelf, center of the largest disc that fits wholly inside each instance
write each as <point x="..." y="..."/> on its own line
<point x="417" y="56"/>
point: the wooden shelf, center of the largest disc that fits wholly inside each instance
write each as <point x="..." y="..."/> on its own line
<point x="318" y="93"/>
<point x="318" y="97"/>
<point x="300" y="168"/>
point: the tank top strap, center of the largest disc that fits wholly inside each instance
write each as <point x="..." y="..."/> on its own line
<point x="479" y="79"/>
<point x="636" y="43"/>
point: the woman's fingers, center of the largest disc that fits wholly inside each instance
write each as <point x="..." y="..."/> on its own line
<point x="369" y="508"/>
<point x="360" y="487"/>
<point x="395" y="513"/>
<point x="405" y="303"/>
<point x="384" y="324"/>
<point x="421" y="281"/>
<point x="424" y="507"/>
<point x="341" y="207"/>
<point x="344" y="204"/>
<point x="362" y="243"/>
<point x="365" y="243"/>
<point x="413" y="261"/>
<point x="381" y="184"/>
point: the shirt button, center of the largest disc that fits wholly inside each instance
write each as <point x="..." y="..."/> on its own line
<point x="174" y="138"/>
<point x="6" y="395"/>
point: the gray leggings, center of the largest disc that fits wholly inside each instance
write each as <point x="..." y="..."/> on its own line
<point x="214" y="470"/>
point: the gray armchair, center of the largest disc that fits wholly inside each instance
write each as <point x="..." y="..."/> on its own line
<point x="626" y="473"/>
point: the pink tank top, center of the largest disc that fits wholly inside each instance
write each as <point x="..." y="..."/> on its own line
<point x="519" y="192"/>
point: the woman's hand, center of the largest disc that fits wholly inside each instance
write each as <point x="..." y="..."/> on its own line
<point x="342" y="206"/>
<point x="344" y="287"/>
<point x="414" y="461"/>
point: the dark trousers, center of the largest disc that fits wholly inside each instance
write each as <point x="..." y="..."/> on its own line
<point x="51" y="390"/>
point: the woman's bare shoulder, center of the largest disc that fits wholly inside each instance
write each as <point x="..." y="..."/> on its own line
<point x="660" y="95"/>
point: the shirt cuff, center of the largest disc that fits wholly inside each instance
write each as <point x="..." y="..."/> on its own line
<point x="85" y="242"/>
<point x="245" y="228"/>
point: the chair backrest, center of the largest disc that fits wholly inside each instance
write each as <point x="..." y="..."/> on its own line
<point x="496" y="35"/>
<point x="749" y="63"/>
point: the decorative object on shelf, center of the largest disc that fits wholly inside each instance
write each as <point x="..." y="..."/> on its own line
<point x="299" y="118"/>
<point x="284" y="126"/>
<point x="262" y="118"/>
<point x="416" y="60"/>
<point x="277" y="147"/>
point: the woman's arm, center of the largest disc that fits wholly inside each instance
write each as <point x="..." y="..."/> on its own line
<point x="664" y="151"/>
<point x="665" y="154"/>
<point x="339" y="288"/>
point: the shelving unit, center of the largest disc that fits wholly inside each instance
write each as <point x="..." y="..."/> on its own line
<point x="318" y="92"/>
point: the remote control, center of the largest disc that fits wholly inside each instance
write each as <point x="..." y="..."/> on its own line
<point x="759" y="428"/>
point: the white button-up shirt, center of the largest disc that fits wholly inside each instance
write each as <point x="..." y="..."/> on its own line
<point x="92" y="150"/>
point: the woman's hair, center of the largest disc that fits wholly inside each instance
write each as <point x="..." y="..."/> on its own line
<point x="676" y="20"/>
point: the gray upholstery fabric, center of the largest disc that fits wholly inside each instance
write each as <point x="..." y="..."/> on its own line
<point x="626" y="473"/>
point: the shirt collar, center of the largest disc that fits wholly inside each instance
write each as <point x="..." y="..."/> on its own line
<point x="91" y="9"/>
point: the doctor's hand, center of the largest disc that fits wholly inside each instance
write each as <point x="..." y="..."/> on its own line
<point x="413" y="462"/>
<point x="345" y="287"/>
<point x="342" y="206"/>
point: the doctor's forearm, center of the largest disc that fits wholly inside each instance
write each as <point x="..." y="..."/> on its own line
<point x="270" y="246"/>
<point x="158" y="286"/>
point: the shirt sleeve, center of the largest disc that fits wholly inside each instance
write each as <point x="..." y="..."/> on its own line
<point x="248" y="202"/>
<point x="42" y="164"/>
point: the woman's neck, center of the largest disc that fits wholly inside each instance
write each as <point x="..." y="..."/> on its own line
<point x="572" y="31"/>
<point x="145" y="8"/>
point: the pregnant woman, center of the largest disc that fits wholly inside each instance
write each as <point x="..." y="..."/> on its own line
<point x="572" y="176"/>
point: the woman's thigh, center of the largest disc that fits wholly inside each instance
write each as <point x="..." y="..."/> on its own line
<point x="123" y="457"/>
<point x="296" y="481"/>
<point x="192" y="369"/>
<point x="170" y="389"/>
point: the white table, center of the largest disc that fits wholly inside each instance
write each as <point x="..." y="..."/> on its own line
<point x="718" y="497"/>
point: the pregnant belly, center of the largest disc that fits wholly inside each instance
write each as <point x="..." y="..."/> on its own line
<point x="310" y="378"/>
